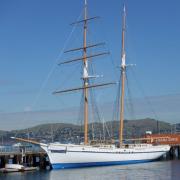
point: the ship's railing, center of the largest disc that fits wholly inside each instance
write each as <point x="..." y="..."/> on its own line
<point x="12" y="149"/>
<point x="8" y="149"/>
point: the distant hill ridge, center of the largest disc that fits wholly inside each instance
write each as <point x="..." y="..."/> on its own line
<point x="65" y="132"/>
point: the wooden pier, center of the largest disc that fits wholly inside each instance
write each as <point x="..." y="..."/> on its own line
<point x="174" y="152"/>
<point x="30" y="156"/>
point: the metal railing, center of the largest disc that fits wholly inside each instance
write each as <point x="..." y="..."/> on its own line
<point x="17" y="150"/>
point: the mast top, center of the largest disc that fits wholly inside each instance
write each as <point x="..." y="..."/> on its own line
<point x="124" y="9"/>
<point x="123" y="56"/>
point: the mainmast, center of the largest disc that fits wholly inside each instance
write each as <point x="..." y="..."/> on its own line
<point x="123" y="71"/>
<point x="85" y="77"/>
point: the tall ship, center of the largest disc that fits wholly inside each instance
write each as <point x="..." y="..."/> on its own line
<point x="86" y="154"/>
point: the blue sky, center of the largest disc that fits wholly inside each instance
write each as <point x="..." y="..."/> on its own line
<point x="34" y="33"/>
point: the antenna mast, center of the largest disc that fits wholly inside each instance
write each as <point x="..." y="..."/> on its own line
<point x="85" y="76"/>
<point x="123" y="71"/>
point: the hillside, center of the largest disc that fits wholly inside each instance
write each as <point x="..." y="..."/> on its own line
<point x="74" y="133"/>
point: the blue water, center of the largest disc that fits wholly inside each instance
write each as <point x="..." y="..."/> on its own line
<point x="161" y="170"/>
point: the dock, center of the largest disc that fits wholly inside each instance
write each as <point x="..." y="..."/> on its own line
<point x="31" y="156"/>
<point x="167" y="139"/>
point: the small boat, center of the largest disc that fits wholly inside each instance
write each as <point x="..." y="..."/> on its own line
<point x="12" y="168"/>
<point x="9" y="168"/>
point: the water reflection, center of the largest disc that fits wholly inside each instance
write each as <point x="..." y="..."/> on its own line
<point x="156" y="170"/>
<point x="164" y="170"/>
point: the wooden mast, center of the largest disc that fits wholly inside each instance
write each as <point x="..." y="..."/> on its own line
<point x="123" y="71"/>
<point x="85" y="77"/>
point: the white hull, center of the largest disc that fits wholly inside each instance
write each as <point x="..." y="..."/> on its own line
<point x="71" y="156"/>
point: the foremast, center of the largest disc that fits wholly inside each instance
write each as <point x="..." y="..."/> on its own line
<point x="123" y="71"/>
<point x="85" y="58"/>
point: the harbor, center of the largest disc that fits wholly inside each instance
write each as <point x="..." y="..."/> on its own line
<point x="40" y="160"/>
<point x="98" y="99"/>
<point x="34" y="156"/>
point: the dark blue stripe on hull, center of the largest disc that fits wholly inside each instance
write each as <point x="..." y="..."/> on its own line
<point x="91" y="164"/>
